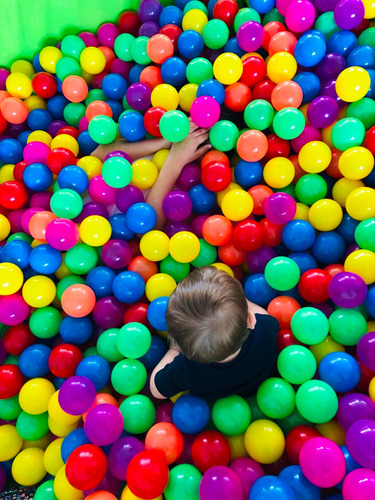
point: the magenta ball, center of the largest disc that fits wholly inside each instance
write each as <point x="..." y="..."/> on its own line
<point x="189" y="177"/>
<point x="280" y="208"/>
<point x="250" y="36"/>
<point x="41" y="200"/>
<point x="359" y="484"/>
<point x="205" y="111"/>
<point x="15" y="220"/>
<point x="121" y="67"/>
<point x="360" y="440"/>
<point x="349" y="14"/>
<point x="282" y="6"/>
<point x="26" y="217"/>
<point x="108" y="312"/>
<point x="258" y="259"/>
<point x="120" y="454"/>
<point x="177" y="206"/>
<point x="107" y="34"/>
<point x="322" y="462"/>
<point x="62" y="234"/>
<point x="36" y="152"/>
<point x="300" y="16"/>
<point x="220" y="482"/>
<point x="322" y="111"/>
<point x="354" y="407"/>
<point x="100" y="191"/>
<point x="4" y="73"/>
<point x="13" y="309"/>
<point x="76" y="395"/>
<point x="248" y="470"/>
<point x="309" y="133"/>
<point x="164" y="412"/>
<point x="127" y="196"/>
<point x="366" y="350"/>
<point x="83" y="124"/>
<point x="347" y="290"/>
<point x="104" y="424"/>
<point x="116" y="254"/>
<point x="138" y="96"/>
<point x="89" y="39"/>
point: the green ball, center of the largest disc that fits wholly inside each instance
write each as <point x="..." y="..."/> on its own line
<point x="106" y="345"/>
<point x="128" y="377"/>
<point x="138" y="50"/>
<point x="91" y="351"/>
<point x="81" y="259"/>
<point x="66" y="203"/>
<point x="95" y="95"/>
<point x="195" y="4"/>
<point x="133" y="340"/>
<point x="244" y="15"/>
<point x="224" y="135"/>
<point x="365" y="234"/>
<point x="273" y="15"/>
<point x="363" y="110"/>
<point x="347" y="326"/>
<point x="288" y="423"/>
<point x="183" y="483"/>
<point x="317" y="401"/>
<point x="122" y="46"/>
<point x="102" y="129"/>
<point x="198" y="70"/>
<point x="178" y="270"/>
<point x="326" y="24"/>
<point x="309" y="325"/>
<point x="215" y="34"/>
<point x="290" y="189"/>
<point x="67" y="281"/>
<point x="347" y="133"/>
<point x="139" y="414"/>
<point x="256" y="412"/>
<point x="73" y="113"/>
<point x="276" y="398"/>
<point x="174" y="126"/>
<point x="282" y="273"/>
<point x="259" y="114"/>
<point x="10" y="408"/>
<point x="296" y="364"/>
<point x="207" y="254"/>
<point x="117" y="172"/>
<point x="32" y="427"/>
<point x="72" y="46"/>
<point x="11" y="360"/>
<point x="67" y="66"/>
<point x="45" y="491"/>
<point x="311" y="188"/>
<point x="45" y="322"/>
<point x="231" y="415"/>
<point x="367" y="37"/>
<point x="20" y="236"/>
<point x="288" y="123"/>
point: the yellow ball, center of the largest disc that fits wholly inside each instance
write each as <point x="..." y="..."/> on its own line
<point x="332" y="430"/>
<point x="59" y="429"/>
<point x="23" y="66"/>
<point x="41" y="443"/>
<point x="145" y="174"/>
<point x="35" y="394"/>
<point x="361" y="262"/>
<point x="194" y="19"/>
<point x="228" y="68"/>
<point x="237" y="205"/>
<point x="371" y="389"/>
<point x="184" y="246"/>
<point x="369" y="8"/>
<point x="91" y="165"/>
<point x="352" y="84"/>
<point x="302" y="212"/>
<point x="154" y="245"/>
<point x="10" y="442"/>
<point x="160" y="285"/>
<point x="278" y="172"/>
<point x="164" y="96"/>
<point x="35" y="102"/>
<point x="19" y="85"/>
<point x="128" y="495"/>
<point x="281" y="66"/>
<point x="52" y="459"/>
<point x="40" y="136"/>
<point x="11" y="278"/>
<point x="62" y="270"/>
<point x="4" y="228"/>
<point x="65" y="141"/>
<point x="159" y="158"/>
<point x="223" y="267"/>
<point x="237" y="446"/>
<point x="360" y="203"/>
<point x="57" y="414"/>
<point x="220" y="195"/>
<point x="49" y="57"/>
<point x="95" y="230"/>
<point x="356" y="163"/>
<point x="92" y="60"/>
<point x="63" y="489"/>
<point x="342" y="188"/>
<point x="264" y="441"/>
<point x="325" y="215"/>
<point x="314" y="157"/>
<point x="187" y="96"/>
<point x="39" y="291"/>
<point x="325" y="347"/>
<point x="28" y="468"/>
<point x="370" y="326"/>
<point x="303" y="110"/>
<point x="6" y="173"/>
<point x="327" y="135"/>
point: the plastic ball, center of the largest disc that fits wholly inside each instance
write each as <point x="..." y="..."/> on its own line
<point x="352" y="84"/>
<point x="28" y="468"/>
<point x="316" y="401"/>
<point x="220" y="480"/>
<point x="281" y="66"/>
<point x="264" y="441"/>
<point x="227" y="68"/>
<point x="147" y="473"/>
<point x="309" y="325"/>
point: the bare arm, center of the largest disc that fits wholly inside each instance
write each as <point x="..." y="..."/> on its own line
<point x="135" y="150"/>
<point x="252" y="310"/>
<point x="167" y="358"/>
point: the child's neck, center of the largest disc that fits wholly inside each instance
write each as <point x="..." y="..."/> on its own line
<point x="232" y="356"/>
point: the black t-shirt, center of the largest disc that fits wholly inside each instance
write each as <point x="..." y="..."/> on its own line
<point x="242" y="375"/>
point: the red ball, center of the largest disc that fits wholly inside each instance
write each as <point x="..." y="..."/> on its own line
<point x="151" y="121"/>
<point x="173" y="32"/>
<point x="59" y="158"/>
<point x="313" y="285"/>
<point x="166" y="437"/>
<point x="11" y="381"/>
<point x="3" y="124"/>
<point x="17" y="338"/>
<point x="226" y="10"/>
<point x="296" y="438"/>
<point x="259" y="194"/>
<point x="19" y="169"/>
<point x="254" y="71"/>
<point x="248" y="235"/>
<point x="86" y="467"/>
<point x="237" y="96"/>
<point x="13" y="194"/>
<point x="285" y="338"/>
<point x="272" y="232"/>
<point x="216" y="176"/>
<point x="64" y="360"/>
<point x="277" y="147"/>
<point x="263" y="90"/>
<point x="129" y="22"/>
<point x="369" y="141"/>
<point x="137" y="313"/>
<point x="231" y="255"/>
<point x="366" y="376"/>
<point x="283" y="309"/>
<point x="271" y="29"/>
<point x="68" y="130"/>
<point x="210" y="448"/>
<point x="44" y="85"/>
<point x="147" y="474"/>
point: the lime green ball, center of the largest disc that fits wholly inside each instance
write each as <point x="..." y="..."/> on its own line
<point x="20" y="236"/>
<point x="10" y="408"/>
<point x="66" y="203"/>
<point x="178" y="270"/>
<point x="256" y="412"/>
<point x="207" y="254"/>
<point x="95" y="95"/>
<point x="195" y="4"/>
<point x="259" y="114"/>
<point x="102" y="129"/>
<point x="224" y="135"/>
<point x="231" y="415"/>
<point x="117" y="172"/>
<point x="311" y="188"/>
<point x="139" y="414"/>
<point x="347" y="326"/>
<point x="215" y="34"/>
<point x="309" y="325"/>
<point x="174" y="126"/>
<point x="138" y="50"/>
<point x="133" y="340"/>
<point x="276" y="398"/>
<point x="198" y="70"/>
<point x="128" y="377"/>
<point x="367" y="37"/>
<point x="296" y="364"/>
<point x="32" y="427"/>
<point x="288" y="123"/>
<point x="91" y="351"/>
<point x="45" y="322"/>
<point x="81" y="259"/>
<point x="326" y="24"/>
<point x="282" y="273"/>
<point x="317" y="401"/>
<point x="45" y="491"/>
<point x="183" y="483"/>
<point x="365" y="234"/>
<point x="273" y="15"/>
<point x="106" y="345"/>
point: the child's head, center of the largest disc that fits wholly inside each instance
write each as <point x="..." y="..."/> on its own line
<point x="207" y="315"/>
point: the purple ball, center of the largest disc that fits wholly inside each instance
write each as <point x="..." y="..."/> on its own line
<point x="108" y="312"/>
<point x="248" y="470"/>
<point x="360" y="440"/>
<point x="127" y="196"/>
<point x="92" y="208"/>
<point x="366" y="350"/>
<point x="329" y="89"/>
<point x="220" y="482"/>
<point x="189" y="177"/>
<point x="347" y="290"/>
<point x="197" y="224"/>
<point x="118" y="153"/>
<point x="250" y="36"/>
<point x="4" y="73"/>
<point x="309" y="133"/>
<point x="353" y="407"/>
<point x="349" y="14"/>
<point x="121" y="67"/>
<point x="14" y="129"/>
<point x="76" y="395"/>
<point x="138" y="96"/>
<point x="164" y="413"/>
<point x="330" y="67"/>
<point x="258" y="259"/>
<point x="3" y="356"/>
<point x="149" y="10"/>
<point x="42" y="200"/>
<point x="149" y="29"/>
<point x="325" y="5"/>
<point x="322" y="111"/>
<point x="280" y="208"/>
<point x="55" y="126"/>
<point x="104" y="424"/>
<point x="116" y="254"/>
<point x="120" y="454"/>
<point x="177" y="206"/>
<point x="326" y="308"/>
<point x="107" y="34"/>
<point x="89" y="39"/>
<point x="172" y="228"/>
<point x="109" y="483"/>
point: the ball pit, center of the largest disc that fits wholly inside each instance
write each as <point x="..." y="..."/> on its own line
<point x="284" y="201"/>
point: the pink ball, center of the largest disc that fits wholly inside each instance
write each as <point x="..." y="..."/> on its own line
<point x="42" y="200"/>
<point x="205" y="111"/>
<point x="248" y="470"/>
<point x="300" y="15"/>
<point x="282" y="6"/>
<point x="83" y="124"/>
<point x="13" y="309"/>
<point x="100" y="191"/>
<point x="359" y="484"/>
<point x="309" y="133"/>
<point x="322" y="462"/>
<point x="89" y="39"/>
<point x="36" y="152"/>
<point x="107" y="34"/>
<point x="62" y="234"/>
<point x="15" y="220"/>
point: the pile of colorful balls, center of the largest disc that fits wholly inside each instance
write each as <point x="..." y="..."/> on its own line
<point x="285" y="204"/>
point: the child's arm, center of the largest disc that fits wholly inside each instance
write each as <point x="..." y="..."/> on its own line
<point x="181" y="153"/>
<point x="167" y="358"/>
<point x="252" y="310"/>
<point x="135" y="150"/>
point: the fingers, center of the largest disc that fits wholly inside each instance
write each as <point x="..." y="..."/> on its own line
<point x="202" y="150"/>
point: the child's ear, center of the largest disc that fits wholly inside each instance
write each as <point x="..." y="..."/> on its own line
<point x="250" y="319"/>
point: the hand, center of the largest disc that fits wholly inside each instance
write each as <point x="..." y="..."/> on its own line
<point x="190" y="148"/>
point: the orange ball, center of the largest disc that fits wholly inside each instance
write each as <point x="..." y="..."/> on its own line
<point x="3" y="95"/>
<point x="144" y="267"/>
<point x="151" y="76"/>
<point x="237" y="96"/>
<point x="78" y="300"/>
<point x="39" y="222"/>
<point x="214" y="155"/>
<point x="286" y="94"/>
<point x="217" y="230"/>
<point x="259" y="194"/>
<point x="283" y="41"/>
<point x="96" y="108"/>
<point x="159" y="48"/>
<point x="74" y="88"/>
<point x="333" y="269"/>
<point x="101" y="399"/>
<point x="166" y="437"/>
<point x="101" y="495"/>
<point x="283" y="309"/>
<point x="14" y="110"/>
<point x="252" y="145"/>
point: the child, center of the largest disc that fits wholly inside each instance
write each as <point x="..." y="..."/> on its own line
<point x="221" y="344"/>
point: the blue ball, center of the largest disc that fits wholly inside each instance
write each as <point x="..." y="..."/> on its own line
<point x="298" y="235"/>
<point x="116" y="107"/>
<point x="73" y="177"/>
<point x="351" y="464"/>
<point x="45" y="260"/>
<point x="212" y="88"/>
<point x="100" y="280"/>
<point x="262" y="6"/>
<point x="11" y="151"/>
<point x="310" y="85"/>
<point x="181" y="4"/>
<point x="171" y="15"/>
<point x="369" y="301"/>
<point x="23" y="136"/>
<point x="340" y="370"/>
<point x="36" y="64"/>
<point x="156" y="313"/>
<point x="363" y="56"/>
<point x="202" y="199"/>
<point x="128" y="287"/>
<point x="342" y="43"/>
<point x="58" y="382"/>
<point x="258" y="290"/>
<point x="347" y="228"/>
<point x="56" y="106"/>
<point x="17" y="252"/>
<point x="248" y="174"/>
<point x="233" y="46"/>
<point x="76" y="331"/>
<point x="301" y="486"/>
<point x="190" y="414"/>
<point x="190" y="44"/>
<point x="37" y="177"/>
<point x="120" y="229"/>
<point x="86" y="144"/>
<point x="304" y="261"/>
<point x="173" y="71"/>
<point x="114" y="86"/>
<point x="39" y="119"/>
<point x="131" y="126"/>
<point x="310" y="49"/>
<point x="271" y="488"/>
<point x="154" y="354"/>
<point x="329" y="248"/>
<point x="141" y="218"/>
<point x="210" y="7"/>
<point x="371" y="90"/>
<point x="72" y="441"/>
<point x="95" y="368"/>
<point x="135" y="73"/>
<point x="33" y="361"/>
